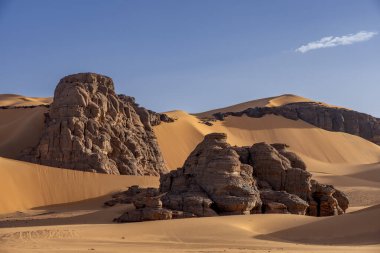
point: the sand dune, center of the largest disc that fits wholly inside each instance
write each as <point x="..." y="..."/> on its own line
<point x="19" y="129"/>
<point x="26" y="185"/>
<point x="264" y="102"/>
<point x="362" y="191"/>
<point x="258" y="233"/>
<point x="178" y="139"/>
<point x="362" y="227"/>
<point x="19" y="100"/>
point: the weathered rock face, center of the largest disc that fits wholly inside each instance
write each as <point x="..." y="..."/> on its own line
<point x="317" y="114"/>
<point x="218" y="179"/>
<point x="278" y="171"/>
<point x="274" y="207"/>
<point x="293" y="204"/>
<point x="328" y="200"/>
<point x="212" y="181"/>
<point x="148" y="118"/>
<point x="283" y="179"/>
<point x="295" y="160"/>
<point x="90" y="128"/>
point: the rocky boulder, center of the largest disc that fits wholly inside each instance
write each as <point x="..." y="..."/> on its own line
<point x="328" y="200"/>
<point x="283" y="178"/>
<point x="148" y="206"/>
<point x="293" y="204"/>
<point x="90" y="128"/>
<point x="213" y="180"/>
<point x="274" y="207"/>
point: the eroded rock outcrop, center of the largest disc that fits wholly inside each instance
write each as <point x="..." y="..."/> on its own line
<point x="148" y="205"/>
<point x="291" y="202"/>
<point x="328" y="200"/>
<point x="90" y="128"/>
<point x="212" y="180"/>
<point x="278" y="171"/>
<point x="218" y="179"/>
<point x="148" y="117"/>
<point x="283" y="178"/>
<point x="322" y="116"/>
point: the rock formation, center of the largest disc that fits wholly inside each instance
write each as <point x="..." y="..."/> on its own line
<point x="148" y="206"/>
<point x="146" y="116"/>
<point x="322" y="116"/>
<point x="218" y="179"/>
<point x="282" y="178"/>
<point x="289" y="203"/>
<point x="212" y="181"/>
<point x="90" y="128"/>
<point x="329" y="201"/>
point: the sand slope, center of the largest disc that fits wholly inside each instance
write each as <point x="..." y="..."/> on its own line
<point x="19" y="129"/>
<point x="264" y="102"/>
<point x="254" y="233"/>
<point x="361" y="227"/>
<point x="179" y="138"/>
<point x="19" y="100"/>
<point x="25" y="185"/>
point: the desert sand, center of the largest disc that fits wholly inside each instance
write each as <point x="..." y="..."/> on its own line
<point x="26" y="185"/>
<point x="178" y="139"/>
<point x="263" y="102"/>
<point x="20" y="128"/>
<point x="14" y="100"/>
<point x="39" y="212"/>
<point x="87" y="231"/>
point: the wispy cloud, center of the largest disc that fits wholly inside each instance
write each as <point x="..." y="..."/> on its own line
<point x="332" y="41"/>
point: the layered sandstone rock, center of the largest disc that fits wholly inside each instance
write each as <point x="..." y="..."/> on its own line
<point x="322" y="116"/>
<point x="90" y="128"/>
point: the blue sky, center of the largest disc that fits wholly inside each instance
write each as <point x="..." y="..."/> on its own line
<point x="195" y="55"/>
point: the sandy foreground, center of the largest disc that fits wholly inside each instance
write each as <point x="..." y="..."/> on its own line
<point x="355" y="232"/>
<point x="45" y="209"/>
